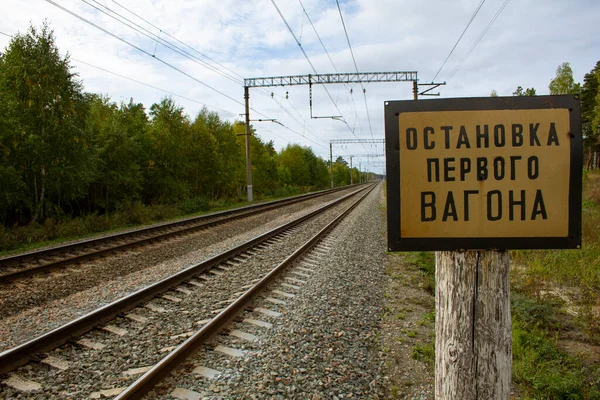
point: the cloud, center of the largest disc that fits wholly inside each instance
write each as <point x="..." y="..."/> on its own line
<point x="523" y="47"/>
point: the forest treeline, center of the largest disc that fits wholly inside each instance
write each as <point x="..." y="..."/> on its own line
<point x="66" y="153"/>
<point x="589" y="95"/>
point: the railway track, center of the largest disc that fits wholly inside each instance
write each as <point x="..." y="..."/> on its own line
<point x="40" y="261"/>
<point x="224" y="285"/>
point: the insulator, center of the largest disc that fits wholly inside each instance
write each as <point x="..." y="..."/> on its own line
<point x="286" y="95"/>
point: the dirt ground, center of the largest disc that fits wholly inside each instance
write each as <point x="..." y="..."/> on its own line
<point x="407" y="331"/>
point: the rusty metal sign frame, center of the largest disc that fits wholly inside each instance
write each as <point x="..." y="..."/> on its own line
<point x="393" y="109"/>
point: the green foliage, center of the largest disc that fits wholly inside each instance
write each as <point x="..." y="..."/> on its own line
<point x="590" y="106"/>
<point x="494" y="93"/>
<point x="534" y="313"/>
<point x="564" y="83"/>
<point x="74" y="162"/>
<point x="579" y="269"/>
<point x="42" y="135"/>
<point x="542" y="371"/>
<point x="526" y="92"/>
<point x="425" y="352"/>
<point x="194" y="205"/>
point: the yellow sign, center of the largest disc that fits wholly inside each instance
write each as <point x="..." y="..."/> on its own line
<point x="493" y="173"/>
<point x="484" y="173"/>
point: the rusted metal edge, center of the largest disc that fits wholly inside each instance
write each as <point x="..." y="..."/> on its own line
<point x="146" y="382"/>
<point x="20" y="355"/>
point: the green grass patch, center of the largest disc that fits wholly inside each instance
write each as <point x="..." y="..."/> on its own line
<point x="54" y="231"/>
<point x="578" y="269"/>
<point x="542" y="371"/>
<point x="425" y="352"/>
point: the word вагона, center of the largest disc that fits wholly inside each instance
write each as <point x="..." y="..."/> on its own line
<point x="514" y="167"/>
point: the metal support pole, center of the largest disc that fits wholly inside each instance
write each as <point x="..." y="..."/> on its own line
<point x="248" y="160"/>
<point x="310" y="94"/>
<point x="331" y="164"/>
<point x="351" y="170"/>
<point x="415" y="90"/>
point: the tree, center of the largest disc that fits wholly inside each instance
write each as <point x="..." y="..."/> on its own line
<point x="564" y="83"/>
<point x="494" y="93"/>
<point x="45" y="107"/>
<point x="526" y="92"/>
<point x="170" y="138"/>
<point x="589" y="104"/>
<point x="292" y="162"/>
<point x="118" y="153"/>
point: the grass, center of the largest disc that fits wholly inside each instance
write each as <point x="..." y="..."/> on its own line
<point x="425" y="262"/>
<point x="53" y="231"/>
<point x="545" y="283"/>
<point x="425" y="352"/>
<point x="575" y="270"/>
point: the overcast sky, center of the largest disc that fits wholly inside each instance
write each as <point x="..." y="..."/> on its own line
<point x="525" y="44"/>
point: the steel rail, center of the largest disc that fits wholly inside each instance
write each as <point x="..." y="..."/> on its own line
<point x="17" y="356"/>
<point x="146" y="382"/>
<point x="209" y="221"/>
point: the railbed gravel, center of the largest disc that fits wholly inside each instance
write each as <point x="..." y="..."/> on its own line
<point x="35" y="305"/>
<point x="325" y="343"/>
<point x="94" y="370"/>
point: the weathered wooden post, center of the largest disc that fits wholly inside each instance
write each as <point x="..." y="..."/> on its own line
<point x="467" y="177"/>
<point x="473" y="325"/>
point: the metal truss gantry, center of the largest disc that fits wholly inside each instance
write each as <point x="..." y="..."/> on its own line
<point x="310" y="79"/>
<point x="361" y="155"/>
<point x="348" y="141"/>
<point x="322" y="79"/>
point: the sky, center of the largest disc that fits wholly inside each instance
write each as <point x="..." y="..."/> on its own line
<point x="221" y="42"/>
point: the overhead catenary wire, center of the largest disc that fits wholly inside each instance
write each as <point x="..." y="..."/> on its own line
<point x="158" y="39"/>
<point x="460" y="37"/>
<point x="152" y="36"/>
<point x="149" y="85"/>
<point x="179" y="41"/>
<point x="170" y="92"/>
<point x="487" y="28"/>
<point x="298" y="122"/>
<point x="330" y="60"/>
<point x="355" y="66"/>
<point x="148" y="54"/>
<point x="311" y="64"/>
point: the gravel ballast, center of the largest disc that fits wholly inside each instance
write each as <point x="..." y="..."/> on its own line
<point x="142" y="343"/>
<point x="35" y="305"/>
<point x="324" y="344"/>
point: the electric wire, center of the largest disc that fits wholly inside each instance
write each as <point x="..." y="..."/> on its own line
<point x="487" y="28"/>
<point x="179" y="50"/>
<point x="166" y="91"/>
<point x="331" y="60"/>
<point x="148" y="54"/>
<point x="311" y="64"/>
<point x="459" y="38"/>
<point x="170" y="45"/>
<point x="158" y="39"/>
<point x="174" y="38"/>
<point x="148" y="85"/>
<point x="293" y="117"/>
<point x="355" y="66"/>
<point x="239" y="81"/>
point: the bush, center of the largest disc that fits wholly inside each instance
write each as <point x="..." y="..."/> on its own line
<point x="194" y="205"/>
<point x="543" y="371"/>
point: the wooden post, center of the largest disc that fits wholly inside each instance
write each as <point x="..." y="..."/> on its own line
<point x="473" y="345"/>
